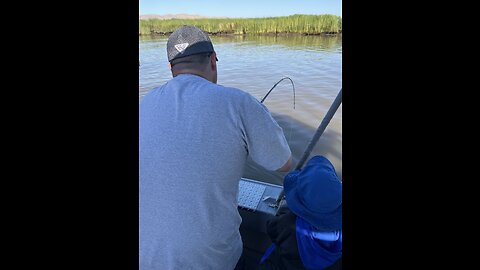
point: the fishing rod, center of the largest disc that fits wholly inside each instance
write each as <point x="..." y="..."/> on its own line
<point x="284" y="78"/>
<point x="333" y="108"/>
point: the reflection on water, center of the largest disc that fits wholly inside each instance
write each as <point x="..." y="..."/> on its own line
<point x="293" y="41"/>
<point x="254" y="64"/>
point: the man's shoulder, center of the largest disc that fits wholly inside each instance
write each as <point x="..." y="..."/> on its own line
<point x="151" y="94"/>
<point x="232" y="91"/>
<point x="237" y="96"/>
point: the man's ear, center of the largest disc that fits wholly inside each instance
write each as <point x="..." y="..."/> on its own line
<point x="169" y="66"/>
<point x="213" y="61"/>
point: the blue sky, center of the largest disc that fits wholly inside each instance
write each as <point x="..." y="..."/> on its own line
<point x="241" y="8"/>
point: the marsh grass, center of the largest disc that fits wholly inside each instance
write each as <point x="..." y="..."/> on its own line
<point x="294" y="24"/>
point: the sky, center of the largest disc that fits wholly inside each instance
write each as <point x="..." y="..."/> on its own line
<point x="241" y="8"/>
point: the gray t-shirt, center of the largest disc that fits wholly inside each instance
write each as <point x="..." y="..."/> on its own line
<point x="195" y="137"/>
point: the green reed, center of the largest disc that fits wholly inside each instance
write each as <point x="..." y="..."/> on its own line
<point x="298" y="24"/>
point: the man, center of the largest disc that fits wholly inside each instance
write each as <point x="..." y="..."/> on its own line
<point x="195" y="137"/>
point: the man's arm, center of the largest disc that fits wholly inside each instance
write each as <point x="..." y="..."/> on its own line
<point x="264" y="138"/>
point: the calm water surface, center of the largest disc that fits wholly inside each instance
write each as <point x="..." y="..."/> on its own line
<point x="254" y="64"/>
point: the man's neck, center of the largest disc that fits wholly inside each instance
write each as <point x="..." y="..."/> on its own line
<point x="192" y="72"/>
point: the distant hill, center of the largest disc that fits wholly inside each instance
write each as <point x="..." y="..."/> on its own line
<point x="175" y="16"/>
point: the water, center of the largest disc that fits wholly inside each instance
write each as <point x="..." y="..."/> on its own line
<point x="254" y="64"/>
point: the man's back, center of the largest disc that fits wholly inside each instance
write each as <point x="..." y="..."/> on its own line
<point x="194" y="140"/>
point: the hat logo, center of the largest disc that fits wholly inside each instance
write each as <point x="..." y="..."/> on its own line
<point x="181" y="47"/>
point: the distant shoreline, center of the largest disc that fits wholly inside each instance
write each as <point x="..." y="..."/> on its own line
<point x="288" y="25"/>
<point x="166" y="34"/>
